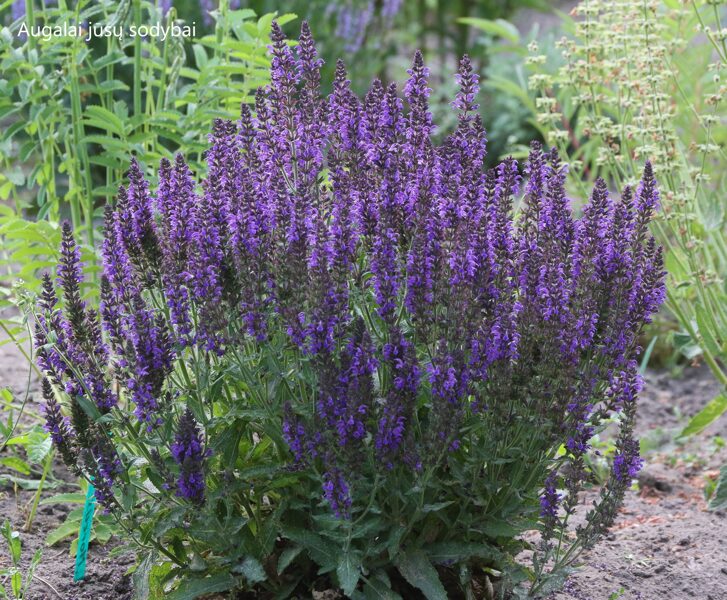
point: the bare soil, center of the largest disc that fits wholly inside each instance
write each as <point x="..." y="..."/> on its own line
<point x="665" y="544"/>
<point x="105" y="576"/>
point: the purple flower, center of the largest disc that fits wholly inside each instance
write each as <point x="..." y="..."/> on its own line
<point x="627" y="462"/>
<point x="17" y="9"/>
<point x="346" y="396"/>
<point x="106" y="469"/>
<point x="69" y="278"/>
<point x="176" y="202"/>
<point x="148" y="336"/>
<point x="207" y="6"/>
<point x="189" y="453"/>
<point x="399" y="357"/>
<point x="336" y="492"/>
<point x="138" y="235"/>
<point x="352" y="22"/>
<point x="549" y="500"/>
<point x="59" y="427"/>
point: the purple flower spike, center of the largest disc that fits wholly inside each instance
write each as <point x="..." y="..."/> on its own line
<point x="404" y="305"/>
<point x="59" y="427"/>
<point x="189" y="453"/>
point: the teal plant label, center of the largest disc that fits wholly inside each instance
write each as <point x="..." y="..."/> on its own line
<point x="84" y="534"/>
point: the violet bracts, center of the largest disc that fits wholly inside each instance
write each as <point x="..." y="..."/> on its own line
<point x="189" y="453"/>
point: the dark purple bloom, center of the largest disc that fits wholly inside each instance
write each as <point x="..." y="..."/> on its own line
<point x="399" y="357"/>
<point x="550" y="499"/>
<point x="189" y="453"/>
<point x="147" y="335"/>
<point x="176" y="202"/>
<point x="69" y="342"/>
<point x="106" y="469"/>
<point x="138" y="235"/>
<point x="70" y="278"/>
<point x="59" y="427"/>
<point x="337" y="493"/>
<point x="627" y="462"/>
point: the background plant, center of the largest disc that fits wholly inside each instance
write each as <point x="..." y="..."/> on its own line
<point x="370" y="33"/>
<point x="306" y="362"/>
<point x="13" y="581"/>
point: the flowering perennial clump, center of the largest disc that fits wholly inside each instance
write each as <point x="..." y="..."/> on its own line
<point x="355" y="17"/>
<point x="350" y="340"/>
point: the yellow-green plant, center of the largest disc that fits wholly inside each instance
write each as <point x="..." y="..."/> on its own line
<point x="13" y="575"/>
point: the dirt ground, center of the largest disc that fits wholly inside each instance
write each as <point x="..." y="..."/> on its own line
<point x="664" y="546"/>
<point x="105" y="576"/>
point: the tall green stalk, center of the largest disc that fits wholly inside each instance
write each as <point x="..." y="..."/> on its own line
<point x="137" y="60"/>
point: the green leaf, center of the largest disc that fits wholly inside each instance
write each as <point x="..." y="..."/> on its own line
<point x="497" y="28"/>
<point x="38" y="446"/>
<point x="684" y="343"/>
<point x="500" y="528"/>
<point x="140" y="578"/>
<point x="553" y="582"/>
<point x="16" y="583"/>
<point x="31" y="571"/>
<point x="716" y="407"/>
<point x="427" y="508"/>
<point x="105" y="119"/>
<point x="719" y="499"/>
<point x="286" y="18"/>
<point x="251" y="569"/>
<point x="16" y="463"/>
<point x="287" y="556"/>
<point x="28" y="484"/>
<point x="348" y="572"/>
<point x="647" y="355"/>
<point x="378" y="589"/>
<point x="88" y="407"/>
<point x="707" y="327"/>
<point x="415" y="567"/>
<point x="65" y="498"/>
<point x="458" y="551"/>
<point x="324" y="553"/>
<point x="200" y="56"/>
<point x="66" y="529"/>
<point x="194" y="588"/>
<point x="13" y="540"/>
<point x="102" y="533"/>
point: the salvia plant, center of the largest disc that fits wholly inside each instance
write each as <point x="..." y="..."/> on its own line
<point x="351" y="353"/>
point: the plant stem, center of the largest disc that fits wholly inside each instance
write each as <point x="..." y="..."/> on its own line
<point x="137" y="61"/>
<point x="82" y="177"/>
<point x="46" y="469"/>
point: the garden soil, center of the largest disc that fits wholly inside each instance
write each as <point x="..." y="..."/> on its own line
<point x="665" y="545"/>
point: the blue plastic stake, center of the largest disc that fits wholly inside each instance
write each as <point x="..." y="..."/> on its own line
<point x="84" y="534"/>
